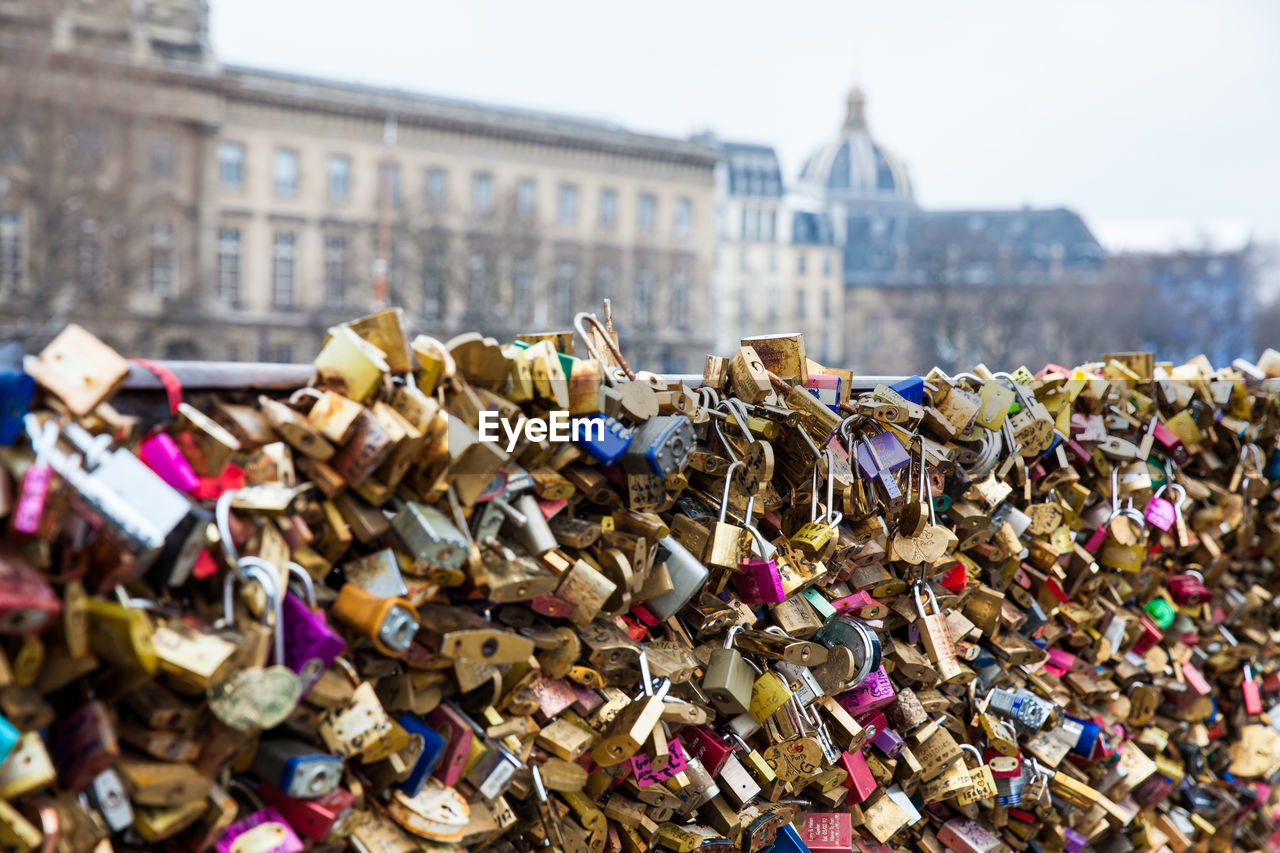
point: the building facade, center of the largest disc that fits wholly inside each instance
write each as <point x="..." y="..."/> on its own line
<point x="260" y="202"/>
<point x="777" y="266"/>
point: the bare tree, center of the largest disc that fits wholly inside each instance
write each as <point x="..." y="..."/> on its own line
<point x="74" y="188"/>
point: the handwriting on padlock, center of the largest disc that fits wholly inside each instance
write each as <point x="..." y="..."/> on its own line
<point x="643" y="771"/>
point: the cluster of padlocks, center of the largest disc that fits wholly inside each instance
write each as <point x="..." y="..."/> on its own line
<point x="773" y="607"/>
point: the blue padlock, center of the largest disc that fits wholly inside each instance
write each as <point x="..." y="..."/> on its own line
<point x="16" y="391"/>
<point x="604" y="443"/>
<point x="911" y="389"/>
<point x="661" y="446"/>
<point x="9" y="737"/>
<point x="788" y="841"/>
<point x="432" y="749"/>
<point x="1088" y="737"/>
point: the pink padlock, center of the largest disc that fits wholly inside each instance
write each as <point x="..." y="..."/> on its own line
<point x="1059" y="662"/>
<point x="875" y="691"/>
<point x="1161" y="512"/>
<point x="262" y="832"/>
<point x="29" y="508"/>
<point x="162" y="455"/>
<point x="758" y="580"/>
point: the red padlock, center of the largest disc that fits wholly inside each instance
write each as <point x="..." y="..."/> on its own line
<point x="1188" y="589"/>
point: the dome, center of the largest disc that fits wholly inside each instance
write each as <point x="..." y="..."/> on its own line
<point x="854" y="168"/>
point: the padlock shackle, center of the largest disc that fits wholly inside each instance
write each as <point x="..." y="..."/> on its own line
<point x="728" y="486"/>
<point x="580" y="322"/>
<point x="304" y="578"/>
<point x="222" y="518"/>
<point x="933" y="599"/>
<point x="266" y="575"/>
<point x="731" y="633"/>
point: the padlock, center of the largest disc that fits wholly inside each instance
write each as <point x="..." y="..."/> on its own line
<point x="937" y="636"/>
<point x="257" y="696"/>
<point x="311" y="646"/>
<point x="757" y="578"/>
<point x="28" y="512"/>
<point x="729" y="678"/>
<point x="317" y="818"/>
<point x="726" y="549"/>
<point x="1188" y="589"/>
<point x="265" y="831"/>
<point x="389" y="623"/>
<point x="660" y="446"/>
<point x="28" y="604"/>
<point x="687" y="576"/>
<point x="296" y="769"/>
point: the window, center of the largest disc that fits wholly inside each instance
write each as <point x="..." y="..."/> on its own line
<point x="282" y="353"/>
<point x="478" y="281"/>
<point x="680" y="298"/>
<point x="826" y="304"/>
<point x="608" y="207"/>
<point x="605" y="277"/>
<point x="229" y="266"/>
<point x="89" y="263"/>
<point x="743" y="266"/>
<point x="482" y="194"/>
<point x="435" y="273"/>
<point x="286" y="169"/>
<point x="801" y="263"/>
<point x="771" y="226"/>
<point x="773" y="262"/>
<point x="826" y="265"/>
<point x="389" y="181"/>
<point x="744" y="307"/>
<point x="282" y="271"/>
<point x="525" y="200"/>
<point x="644" y="297"/>
<point x="10" y="250"/>
<point x="339" y="169"/>
<point x="335" y="271"/>
<point x="771" y="307"/>
<point x="645" y="212"/>
<point x="684" y="216"/>
<point x="757" y="218"/>
<point x="566" y="271"/>
<point x="567" y="204"/>
<point x="162" y="259"/>
<point x="521" y="289"/>
<point x="162" y="156"/>
<point x="231" y="165"/>
<point x="800" y="306"/>
<point x="743" y="229"/>
<point x="436" y="189"/>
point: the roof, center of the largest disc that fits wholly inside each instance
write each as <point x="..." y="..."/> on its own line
<point x="415" y="108"/>
<point x="971" y="246"/>
<point x="751" y="169"/>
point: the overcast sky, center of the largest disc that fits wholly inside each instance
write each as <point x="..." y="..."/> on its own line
<point x="1149" y="117"/>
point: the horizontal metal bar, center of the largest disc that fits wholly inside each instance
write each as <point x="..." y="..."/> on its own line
<point x="269" y="376"/>
<point x="223" y="375"/>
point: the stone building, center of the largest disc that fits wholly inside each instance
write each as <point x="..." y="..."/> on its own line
<point x="777" y="266"/>
<point x="254" y="201"/>
<point x="936" y="287"/>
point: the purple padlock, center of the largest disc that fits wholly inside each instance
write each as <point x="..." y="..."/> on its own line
<point x="310" y="645"/>
<point x="262" y="832"/>
<point x="890" y="451"/>
<point x="162" y="455"/>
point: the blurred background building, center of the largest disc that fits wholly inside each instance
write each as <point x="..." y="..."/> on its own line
<point x="182" y="209"/>
<point x="185" y="209"/>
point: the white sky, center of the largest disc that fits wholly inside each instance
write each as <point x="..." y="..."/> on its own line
<point x="1156" y="119"/>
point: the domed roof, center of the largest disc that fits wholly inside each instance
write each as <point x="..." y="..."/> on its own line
<point x="854" y="167"/>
